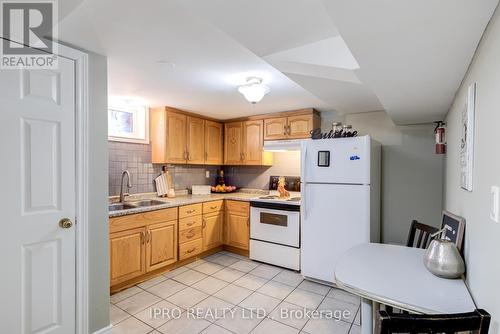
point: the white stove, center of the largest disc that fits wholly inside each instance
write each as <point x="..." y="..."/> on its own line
<point x="275" y="226"/>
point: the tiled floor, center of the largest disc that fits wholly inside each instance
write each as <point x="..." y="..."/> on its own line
<point x="228" y="294"/>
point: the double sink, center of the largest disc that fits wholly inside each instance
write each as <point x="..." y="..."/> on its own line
<point x="133" y="205"/>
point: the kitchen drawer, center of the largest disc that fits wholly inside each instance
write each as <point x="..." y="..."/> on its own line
<point x="127" y="222"/>
<point x="238" y="207"/>
<point x="211" y="207"/>
<point x="190" y="234"/>
<point x="189" y="222"/>
<point x="190" y="210"/>
<point x="190" y="248"/>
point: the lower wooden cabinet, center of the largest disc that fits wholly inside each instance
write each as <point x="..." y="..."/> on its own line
<point x="237" y="224"/>
<point x="213" y="224"/>
<point x="141" y="243"/>
<point x="145" y="242"/>
<point x="212" y="230"/>
<point x="127" y="255"/>
<point x="161" y="245"/>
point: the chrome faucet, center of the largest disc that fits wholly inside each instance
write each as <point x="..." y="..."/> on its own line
<point x="129" y="185"/>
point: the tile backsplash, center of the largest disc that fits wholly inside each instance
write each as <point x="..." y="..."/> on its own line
<point x="136" y="158"/>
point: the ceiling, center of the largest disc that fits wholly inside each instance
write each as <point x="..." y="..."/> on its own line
<point x="192" y="54"/>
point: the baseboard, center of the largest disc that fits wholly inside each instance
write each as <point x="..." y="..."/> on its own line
<point x="105" y="330"/>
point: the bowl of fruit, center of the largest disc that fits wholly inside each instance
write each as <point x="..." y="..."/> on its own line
<point x="223" y="188"/>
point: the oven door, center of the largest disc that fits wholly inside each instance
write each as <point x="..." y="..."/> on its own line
<point x="279" y="226"/>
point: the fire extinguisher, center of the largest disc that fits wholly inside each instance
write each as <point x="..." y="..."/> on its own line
<point x="440" y="137"/>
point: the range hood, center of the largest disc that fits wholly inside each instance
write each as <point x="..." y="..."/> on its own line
<point x="283" y="145"/>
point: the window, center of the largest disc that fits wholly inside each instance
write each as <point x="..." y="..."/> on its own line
<point x="128" y="123"/>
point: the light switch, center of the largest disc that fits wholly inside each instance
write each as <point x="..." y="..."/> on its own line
<point x="495" y="197"/>
<point x="207" y="174"/>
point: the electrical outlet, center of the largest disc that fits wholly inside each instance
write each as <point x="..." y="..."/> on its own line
<point x="495" y="198"/>
<point x="207" y="174"/>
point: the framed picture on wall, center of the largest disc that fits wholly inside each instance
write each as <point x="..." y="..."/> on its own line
<point x="128" y="123"/>
<point x="467" y="139"/>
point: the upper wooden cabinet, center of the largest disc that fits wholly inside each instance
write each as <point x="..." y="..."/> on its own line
<point x="253" y="142"/>
<point x="243" y="144"/>
<point x="275" y="128"/>
<point x="233" y="143"/>
<point x="296" y="126"/>
<point x="213" y="143"/>
<point x="168" y="137"/>
<point x="180" y="138"/>
<point x="195" y="148"/>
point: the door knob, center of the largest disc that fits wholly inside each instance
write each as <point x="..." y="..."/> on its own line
<point x="65" y="223"/>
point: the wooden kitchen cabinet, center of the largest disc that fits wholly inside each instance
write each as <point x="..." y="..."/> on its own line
<point x="178" y="137"/>
<point x="301" y="126"/>
<point x="213" y="224"/>
<point x="141" y="243"/>
<point x="214" y="142"/>
<point x="190" y="231"/>
<point x="237" y="224"/>
<point x="161" y="245"/>
<point x="275" y="128"/>
<point x="233" y="143"/>
<point x="195" y="148"/>
<point x="296" y="125"/>
<point x="243" y="144"/>
<point x="253" y="142"/>
<point x="127" y="251"/>
<point x="168" y="136"/>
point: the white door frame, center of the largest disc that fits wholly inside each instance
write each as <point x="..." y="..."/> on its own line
<point x="81" y="181"/>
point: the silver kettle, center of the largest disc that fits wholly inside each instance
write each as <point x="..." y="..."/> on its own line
<point x="442" y="257"/>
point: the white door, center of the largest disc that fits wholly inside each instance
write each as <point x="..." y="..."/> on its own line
<point x="334" y="219"/>
<point x="340" y="160"/>
<point x="37" y="146"/>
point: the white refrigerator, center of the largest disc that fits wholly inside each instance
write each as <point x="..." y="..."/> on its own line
<point x="340" y="205"/>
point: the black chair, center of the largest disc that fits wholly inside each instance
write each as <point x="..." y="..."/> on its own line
<point x="477" y="321"/>
<point x="420" y="235"/>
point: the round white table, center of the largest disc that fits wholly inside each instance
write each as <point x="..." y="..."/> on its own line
<point x="396" y="276"/>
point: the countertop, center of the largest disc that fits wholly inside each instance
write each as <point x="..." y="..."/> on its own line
<point x="182" y="200"/>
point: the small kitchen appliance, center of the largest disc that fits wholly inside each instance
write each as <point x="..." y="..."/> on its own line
<point x="275" y="224"/>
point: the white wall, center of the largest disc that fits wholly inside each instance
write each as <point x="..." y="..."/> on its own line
<point x="98" y="195"/>
<point x="412" y="174"/>
<point x="482" y="245"/>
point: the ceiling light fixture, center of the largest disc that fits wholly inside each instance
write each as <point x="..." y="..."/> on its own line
<point x="254" y="90"/>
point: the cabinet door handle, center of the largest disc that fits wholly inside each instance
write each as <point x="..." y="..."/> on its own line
<point x="143" y="237"/>
<point x="148" y="236"/>
<point x="190" y="224"/>
<point x="204" y="224"/>
<point x="191" y="250"/>
<point x="190" y="211"/>
<point x="248" y="222"/>
<point x="190" y="234"/>
<point x="213" y="207"/>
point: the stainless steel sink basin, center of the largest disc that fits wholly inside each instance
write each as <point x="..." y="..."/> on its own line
<point x="148" y="202"/>
<point x="121" y="206"/>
